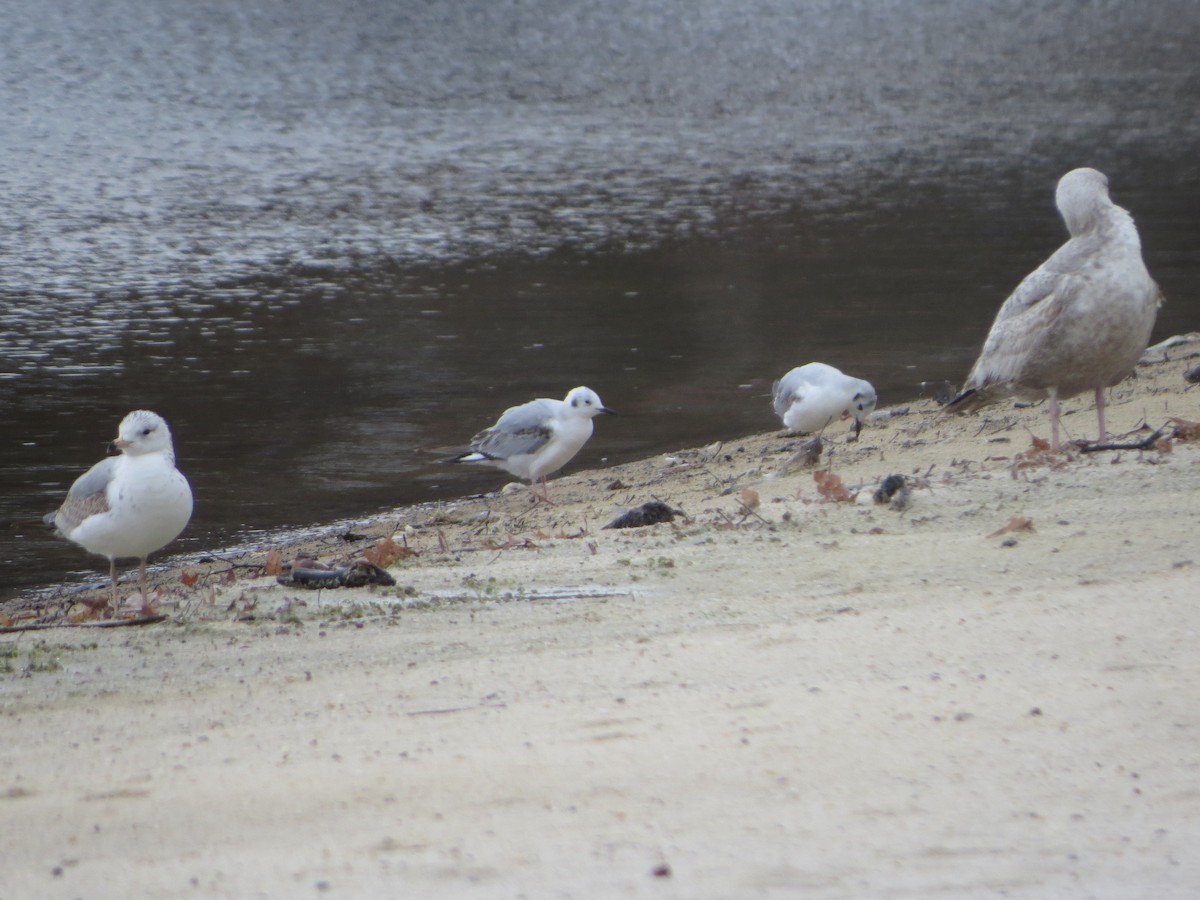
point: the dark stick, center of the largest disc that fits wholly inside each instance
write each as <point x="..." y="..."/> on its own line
<point x="1140" y="445"/>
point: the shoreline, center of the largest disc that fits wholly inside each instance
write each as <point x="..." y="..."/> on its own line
<point x="987" y="688"/>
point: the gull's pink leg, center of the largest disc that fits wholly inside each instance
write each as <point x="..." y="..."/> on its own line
<point x="1052" y="407"/>
<point x="112" y="574"/>
<point x="1100" y="413"/>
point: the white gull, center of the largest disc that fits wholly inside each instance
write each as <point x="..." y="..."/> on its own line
<point x="1078" y="322"/>
<point x="809" y="397"/>
<point x="537" y="438"/>
<point x="128" y="506"/>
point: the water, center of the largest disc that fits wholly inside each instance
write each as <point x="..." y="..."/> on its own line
<point x="331" y="242"/>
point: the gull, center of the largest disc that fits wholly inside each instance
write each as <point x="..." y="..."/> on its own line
<point x="129" y="505"/>
<point x="810" y="397"/>
<point x="1078" y="322"/>
<point x="537" y="438"/>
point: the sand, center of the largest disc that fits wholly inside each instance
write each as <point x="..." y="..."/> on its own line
<point x="804" y="698"/>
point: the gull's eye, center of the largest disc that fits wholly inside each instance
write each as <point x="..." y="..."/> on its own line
<point x="146" y="431"/>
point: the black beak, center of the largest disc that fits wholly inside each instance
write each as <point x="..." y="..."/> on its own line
<point x="607" y="411"/>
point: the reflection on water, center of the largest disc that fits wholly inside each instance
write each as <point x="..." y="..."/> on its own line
<point x="330" y="244"/>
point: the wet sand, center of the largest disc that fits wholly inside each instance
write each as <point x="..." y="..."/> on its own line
<point x="777" y="694"/>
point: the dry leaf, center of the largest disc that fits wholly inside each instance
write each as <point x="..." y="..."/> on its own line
<point x="510" y="544"/>
<point x="387" y="553"/>
<point x="1185" y="430"/>
<point x="830" y="487"/>
<point x="274" y="564"/>
<point x="189" y="579"/>
<point x="750" y="499"/>
<point x="1016" y="523"/>
<point x="93" y="609"/>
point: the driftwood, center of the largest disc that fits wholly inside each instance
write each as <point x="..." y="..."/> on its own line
<point x="105" y="623"/>
<point x="1144" y="444"/>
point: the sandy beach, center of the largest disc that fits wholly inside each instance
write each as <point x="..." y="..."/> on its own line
<point x="987" y="686"/>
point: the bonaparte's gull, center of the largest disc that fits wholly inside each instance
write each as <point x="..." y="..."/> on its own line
<point x="539" y="437"/>
<point x="810" y="397"/>
<point x="129" y="505"/>
<point x="1078" y="322"/>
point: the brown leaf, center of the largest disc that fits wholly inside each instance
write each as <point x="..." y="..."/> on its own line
<point x="386" y="553"/>
<point x="273" y="565"/>
<point x="93" y="608"/>
<point x="1185" y="430"/>
<point x="831" y="488"/>
<point x="1016" y="523"/>
<point x="750" y="499"/>
<point x="189" y="579"/>
<point x="510" y="544"/>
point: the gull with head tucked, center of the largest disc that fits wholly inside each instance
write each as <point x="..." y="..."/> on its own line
<point x="809" y="397"/>
<point x="537" y="438"/>
<point x="129" y="505"/>
<point x="1080" y="321"/>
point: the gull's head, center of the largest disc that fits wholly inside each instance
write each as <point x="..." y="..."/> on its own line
<point x="586" y="403"/>
<point x="1082" y="197"/>
<point x="143" y="432"/>
<point x="862" y="404"/>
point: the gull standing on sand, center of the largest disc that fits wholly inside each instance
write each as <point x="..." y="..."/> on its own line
<point x="1080" y="321"/>
<point x="539" y="437"/>
<point x="810" y="397"/>
<point x="128" y="506"/>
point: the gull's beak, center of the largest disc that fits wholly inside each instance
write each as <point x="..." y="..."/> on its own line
<point x="117" y="446"/>
<point x="607" y="411"/>
<point x="857" y="428"/>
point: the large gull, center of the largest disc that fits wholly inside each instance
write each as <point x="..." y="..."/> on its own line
<point x="129" y="505"/>
<point x="1078" y="322"/>
<point x="809" y="397"/>
<point x="539" y="437"/>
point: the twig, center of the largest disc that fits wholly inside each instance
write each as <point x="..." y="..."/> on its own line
<point x="108" y="623"/>
<point x="1140" y="445"/>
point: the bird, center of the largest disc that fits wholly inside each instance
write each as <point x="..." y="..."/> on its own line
<point x="809" y="397"/>
<point x="537" y="438"/>
<point x="129" y="505"/>
<point x="1078" y="322"/>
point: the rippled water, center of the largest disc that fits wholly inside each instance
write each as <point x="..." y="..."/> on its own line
<point x="331" y="241"/>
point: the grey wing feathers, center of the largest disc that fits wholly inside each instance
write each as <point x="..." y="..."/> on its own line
<point x="1049" y="278"/>
<point x="1017" y="336"/>
<point x="522" y="429"/>
<point x="87" y="496"/>
<point x="785" y="393"/>
<point x="496" y="444"/>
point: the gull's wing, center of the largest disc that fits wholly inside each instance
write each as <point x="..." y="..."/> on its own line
<point x="1050" y="277"/>
<point x="521" y="430"/>
<point x="87" y="497"/>
<point x="787" y="390"/>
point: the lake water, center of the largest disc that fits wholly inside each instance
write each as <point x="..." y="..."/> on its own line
<point x="330" y="242"/>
